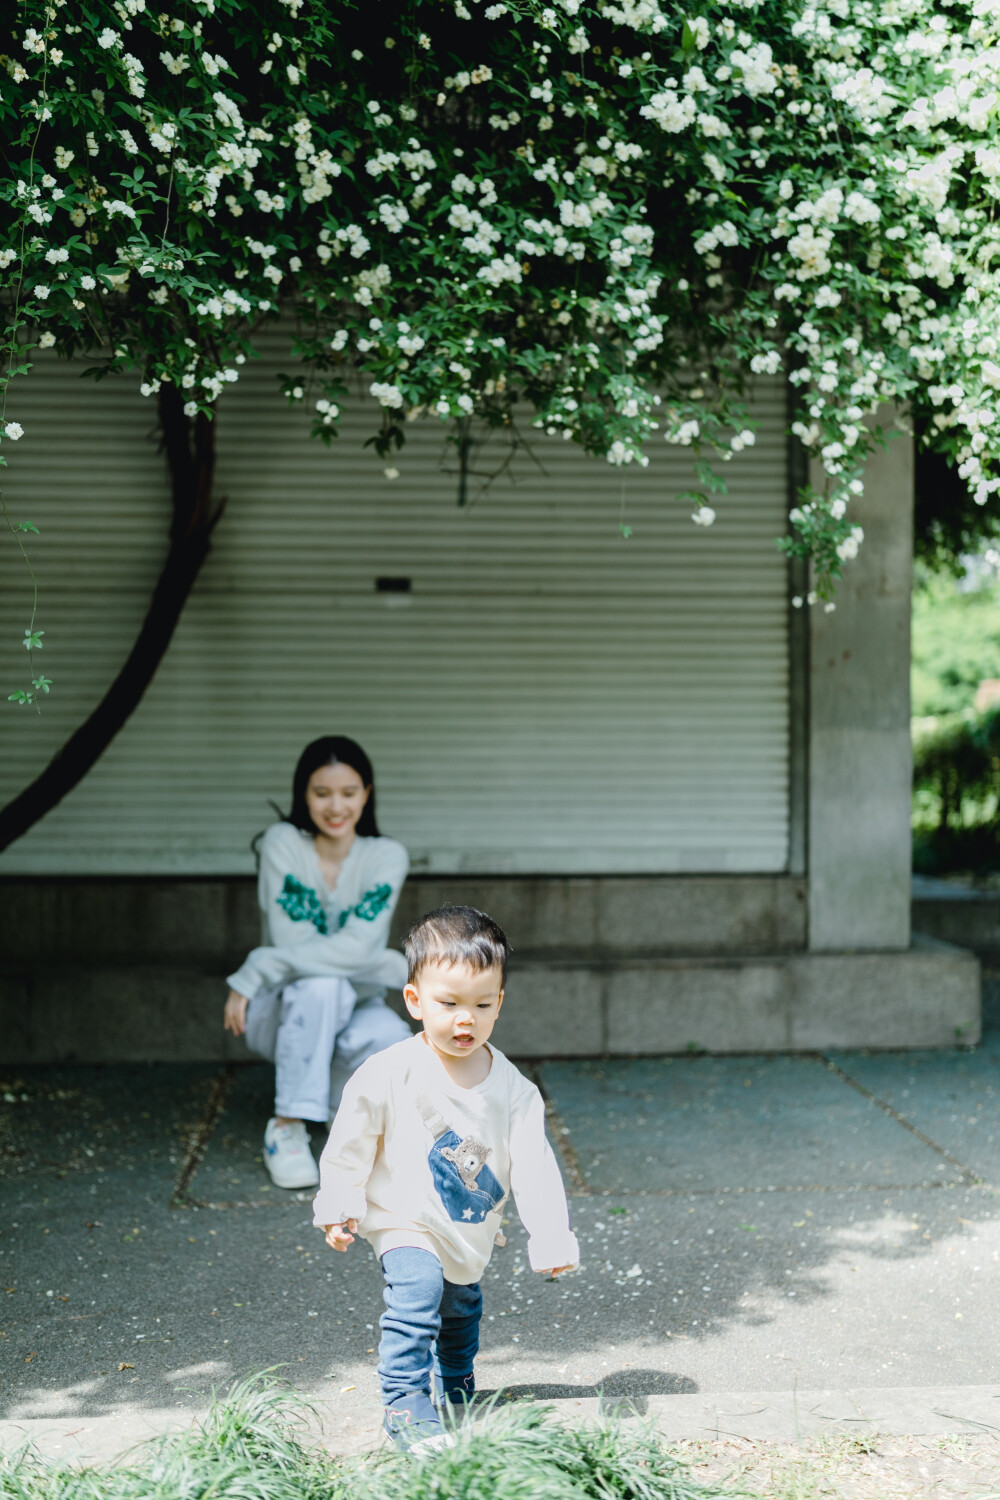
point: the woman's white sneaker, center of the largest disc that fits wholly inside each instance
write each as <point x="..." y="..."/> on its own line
<point x="287" y="1155"/>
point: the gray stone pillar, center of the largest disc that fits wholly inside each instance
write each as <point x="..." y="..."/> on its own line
<point x="859" y="726"/>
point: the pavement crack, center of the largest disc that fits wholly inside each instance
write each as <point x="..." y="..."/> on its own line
<point x="579" y="1186"/>
<point x="762" y="1192"/>
<point x="198" y="1144"/>
<point x="969" y="1177"/>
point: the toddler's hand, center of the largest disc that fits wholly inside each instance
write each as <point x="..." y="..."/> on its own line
<point x="557" y="1271"/>
<point x="339" y="1236"/>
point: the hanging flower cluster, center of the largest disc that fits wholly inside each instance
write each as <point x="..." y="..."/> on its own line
<point x="610" y="214"/>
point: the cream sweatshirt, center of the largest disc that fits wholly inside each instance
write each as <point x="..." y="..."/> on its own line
<point x="311" y="931"/>
<point x="418" y="1160"/>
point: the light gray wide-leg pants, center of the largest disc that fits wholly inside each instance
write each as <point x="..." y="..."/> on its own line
<point x="317" y="1032"/>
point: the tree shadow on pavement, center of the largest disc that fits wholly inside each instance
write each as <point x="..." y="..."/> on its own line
<point x="622" y="1393"/>
<point x="746" y="1224"/>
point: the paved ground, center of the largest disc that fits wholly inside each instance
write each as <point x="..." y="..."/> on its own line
<point x="772" y="1246"/>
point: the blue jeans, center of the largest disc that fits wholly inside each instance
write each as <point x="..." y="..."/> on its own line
<point x="430" y="1326"/>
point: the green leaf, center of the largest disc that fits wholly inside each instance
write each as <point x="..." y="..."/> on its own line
<point x="27" y="526"/>
<point x="41" y="683"/>
<point x="688" y="42"/>
<point x="33" y="640"/>
<point x="20" y="697"/>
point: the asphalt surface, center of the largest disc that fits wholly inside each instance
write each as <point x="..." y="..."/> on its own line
<point x="757" y="1224"/>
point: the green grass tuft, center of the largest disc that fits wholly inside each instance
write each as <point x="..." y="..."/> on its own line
<point x="252" y="1446"/>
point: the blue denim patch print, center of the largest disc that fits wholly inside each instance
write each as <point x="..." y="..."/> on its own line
<point x="465" y="1184"/>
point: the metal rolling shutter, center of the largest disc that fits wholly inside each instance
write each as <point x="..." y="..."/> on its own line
<point x="547" y="698"/>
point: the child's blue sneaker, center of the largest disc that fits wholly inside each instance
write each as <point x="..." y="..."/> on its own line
<point x="414" y="1425"/>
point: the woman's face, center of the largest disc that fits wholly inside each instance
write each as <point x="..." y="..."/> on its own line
<point x="335" y="797"/>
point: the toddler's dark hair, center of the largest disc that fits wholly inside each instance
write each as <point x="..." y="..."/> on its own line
<point x="456" y="935"/>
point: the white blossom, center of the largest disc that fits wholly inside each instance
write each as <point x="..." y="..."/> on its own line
<point x="388" y="395"/>
<point x="393" y="216"/>
<point x="756" y="66"/>
<point x="673" y="112"/>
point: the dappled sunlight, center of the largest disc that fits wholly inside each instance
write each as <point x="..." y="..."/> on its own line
<point x="216" y="1368"/>
<point x="37" y="1401"/>
<point x="787" y="1229"/>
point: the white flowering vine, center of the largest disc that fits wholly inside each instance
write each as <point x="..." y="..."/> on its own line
<point x="609" y="215"/>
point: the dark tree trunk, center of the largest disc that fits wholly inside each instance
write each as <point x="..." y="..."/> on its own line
<point x="189" y="445"/>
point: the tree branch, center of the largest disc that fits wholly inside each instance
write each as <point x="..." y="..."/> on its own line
<point x="189" y="446"/>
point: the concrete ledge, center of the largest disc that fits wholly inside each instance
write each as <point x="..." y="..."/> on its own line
<point x="927" y="996"/>
<point x="756" y="1416"/>
<point x="957" y="915"/>
<point x="115" y="1015"/>
<point x="214" y="922"/>
<point x="625" y="916"/>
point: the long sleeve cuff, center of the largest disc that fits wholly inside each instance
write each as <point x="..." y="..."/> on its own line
<point x="547" y="1251"/>
<point x="335" y="1204"/>
<point x="246" y="981"/>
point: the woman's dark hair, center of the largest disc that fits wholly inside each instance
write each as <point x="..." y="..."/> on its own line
<point x="332" y="750"/>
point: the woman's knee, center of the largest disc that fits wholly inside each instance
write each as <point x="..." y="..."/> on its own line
<point x="372" y="1028"/>
<point x="319" y="992"/>
<point x="316" y="1008"/>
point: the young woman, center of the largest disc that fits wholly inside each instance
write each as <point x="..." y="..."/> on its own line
<point x="313" y="1000"/>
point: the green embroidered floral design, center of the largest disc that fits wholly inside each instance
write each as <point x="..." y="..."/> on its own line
<point x="303" y="905"/>
<point x="371" y="903"/>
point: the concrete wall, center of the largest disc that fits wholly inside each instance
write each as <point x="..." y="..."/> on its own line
<point x="123" y="970"/>
<point x="120" y="971"/>
<point x="859" y="727"/>
<point x="927" y="996"/>
<point x="628" y="915"/>
<point x="214" y="922"/>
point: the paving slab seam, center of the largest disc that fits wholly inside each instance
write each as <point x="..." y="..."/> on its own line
<point x="969" y="1177"/>
<point x="579" y="1187"/>
<point x="214" y="1104"/>
<point x="762" y="1192"/>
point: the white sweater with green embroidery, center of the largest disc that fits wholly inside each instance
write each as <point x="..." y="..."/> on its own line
<point x="313" y="932"/>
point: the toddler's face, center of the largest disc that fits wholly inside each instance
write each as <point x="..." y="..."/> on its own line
<point x="458" y="1007"/>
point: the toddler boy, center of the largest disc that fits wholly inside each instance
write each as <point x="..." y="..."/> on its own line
<point x="431" y="1137"/>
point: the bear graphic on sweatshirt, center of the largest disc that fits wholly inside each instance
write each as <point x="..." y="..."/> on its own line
<point x="469" y="1157"/>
